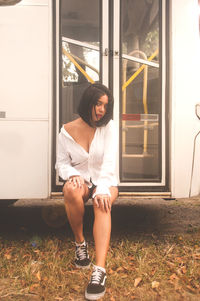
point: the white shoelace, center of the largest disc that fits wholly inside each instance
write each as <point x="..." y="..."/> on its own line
<point x="81" y="252"/>
<point x="96" y="276"/>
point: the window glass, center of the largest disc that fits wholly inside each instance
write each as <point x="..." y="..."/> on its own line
<point x="140" y="27"/>
<point x="80" y="34"/>
<point x="141" y="92"/>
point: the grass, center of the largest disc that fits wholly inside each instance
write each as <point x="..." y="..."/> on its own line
<point x="142" y="267"/>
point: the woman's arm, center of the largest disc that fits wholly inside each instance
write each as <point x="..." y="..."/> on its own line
<point x="107" y="177"/>
<point x="63" y="161"/>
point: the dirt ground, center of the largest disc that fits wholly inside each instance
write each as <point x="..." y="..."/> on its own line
<point x="163" y="216"/>
<point x="154" y="217"/>
<point x="129" y="215"/>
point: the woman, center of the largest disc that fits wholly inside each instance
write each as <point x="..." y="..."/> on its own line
<point x="86" y="161"/>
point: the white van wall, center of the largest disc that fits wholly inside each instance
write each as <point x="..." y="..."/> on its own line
<point x="25" y="98"/>
<point x="185" y="93"/>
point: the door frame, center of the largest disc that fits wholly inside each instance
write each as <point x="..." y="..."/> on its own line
<point x="106" y="56"/>
<point x="117" y="56"/>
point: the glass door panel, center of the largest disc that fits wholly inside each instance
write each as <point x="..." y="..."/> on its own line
<point x="140" y="26"/>
<point x="141" y="97"/>
<point x="81" y="43"/>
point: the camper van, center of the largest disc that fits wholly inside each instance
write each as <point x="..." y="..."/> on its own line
<point x="146" y="51"/>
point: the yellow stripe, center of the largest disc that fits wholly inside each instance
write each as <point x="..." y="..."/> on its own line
<point x="125" y="85"/>
<point x="78" y="66"/>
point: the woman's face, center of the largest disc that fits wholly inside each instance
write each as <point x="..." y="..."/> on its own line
<point x="99" y="110"/>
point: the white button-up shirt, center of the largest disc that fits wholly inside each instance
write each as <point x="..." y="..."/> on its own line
<point x="98" y="166"/>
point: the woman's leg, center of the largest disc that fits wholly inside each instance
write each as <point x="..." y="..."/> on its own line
<point x="74" y="205"/>
<point x="102" y="230"/>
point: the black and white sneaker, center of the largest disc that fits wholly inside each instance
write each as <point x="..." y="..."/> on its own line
<point x="96" y="287"/>
<point x="81" y="256"/>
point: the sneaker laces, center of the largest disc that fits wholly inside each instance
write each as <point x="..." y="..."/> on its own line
<point x="81" y="252"/>
<point x="96" y="276"/>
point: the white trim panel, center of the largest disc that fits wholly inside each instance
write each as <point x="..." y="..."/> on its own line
<point x="79" y="43"/>
<point x="105" y="42"/>
<point x="116" y="69"/>
<point x="141" y="61"/>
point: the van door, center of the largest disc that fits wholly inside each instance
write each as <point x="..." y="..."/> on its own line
<point x="121" y="44"/>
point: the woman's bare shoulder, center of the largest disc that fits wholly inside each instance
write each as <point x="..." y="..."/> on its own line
<point x="72" y="126"/>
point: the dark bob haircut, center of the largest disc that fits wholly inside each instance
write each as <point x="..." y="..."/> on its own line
<point x="89" y="99"/>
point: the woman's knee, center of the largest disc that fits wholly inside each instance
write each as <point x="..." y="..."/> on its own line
<point x="73" y="194"/>
<point x="70" y="192"/>
<point x="99" y="213"/>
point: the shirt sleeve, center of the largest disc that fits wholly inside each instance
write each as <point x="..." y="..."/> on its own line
<point x="63" y="161"/>
<point x="107" y="177"/>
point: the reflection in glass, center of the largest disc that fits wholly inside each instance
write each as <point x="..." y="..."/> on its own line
<point x="140" y="27"/>
<point x="80" y="20"/>
<point x="140" y="136"/>
<point x="80" y="34"/>
<point x="74" y="66"/>
<point x="141" y="93"/>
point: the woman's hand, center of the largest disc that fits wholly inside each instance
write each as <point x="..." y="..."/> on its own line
<point x="102" y="201"/>
<point x="76" y="181"/>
